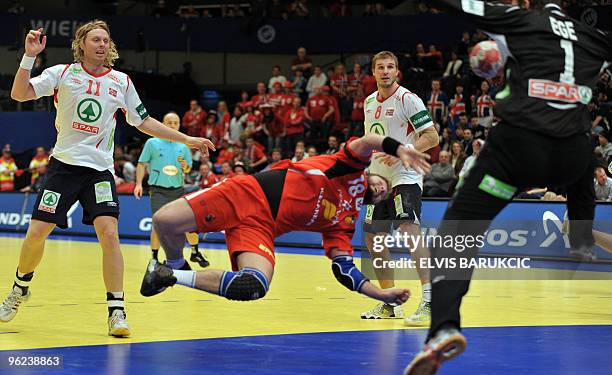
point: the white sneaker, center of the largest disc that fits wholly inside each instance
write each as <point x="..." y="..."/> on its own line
<point x="422" y="315"/>
<point x="9" y="307"/>
<point x="446" y="344"/>
<point x="117" y="324"/>
<point x="384" y="311"/>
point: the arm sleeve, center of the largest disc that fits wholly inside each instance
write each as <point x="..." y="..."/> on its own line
<point x="415" y="113"/>
<point x="492" y="17"/>
<point x="135" y="111"/>
<point x="46" y="83"/>
<point x="338" y="240"/>
<point x="145" y="155"/>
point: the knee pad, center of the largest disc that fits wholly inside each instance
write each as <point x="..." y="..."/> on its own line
<point x="347" y="273"/>
<point x="246" y="285"/>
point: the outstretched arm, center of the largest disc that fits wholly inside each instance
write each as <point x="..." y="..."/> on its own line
<point x="347" y="274"/>
<point x="156" y="129"/>
<point x="409" y="156"/>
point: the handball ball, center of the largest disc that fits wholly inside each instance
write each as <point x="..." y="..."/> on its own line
<point x="486" y="59"/>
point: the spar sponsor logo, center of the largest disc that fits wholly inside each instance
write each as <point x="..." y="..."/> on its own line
<point x="559" y="91"/>
<point x="84" y="128"/>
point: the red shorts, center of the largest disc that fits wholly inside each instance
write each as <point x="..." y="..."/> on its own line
<point x="238" y="206"/>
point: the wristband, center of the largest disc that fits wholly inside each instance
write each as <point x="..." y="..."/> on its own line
<point x="390" y="146"/>
<point x="27" y="62"/>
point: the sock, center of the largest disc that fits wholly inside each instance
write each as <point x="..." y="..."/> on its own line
<point x="175" y="264"/>
<point x="154" y="253"/>
<point x="185" y="278"/>
<point x="115" y="302"/>
<point x="22" y="281"/>
<point x="426" y="288"/>
<point x="194" y="249"/>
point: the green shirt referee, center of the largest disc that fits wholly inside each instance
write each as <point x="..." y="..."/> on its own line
<point x="167" y="163"/>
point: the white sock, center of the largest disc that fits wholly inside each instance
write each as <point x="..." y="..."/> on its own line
<point x="186" y="278"/>
<point x="426" y="288"/>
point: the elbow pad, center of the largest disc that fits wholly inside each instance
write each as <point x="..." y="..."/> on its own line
<point x="347" y="273"/>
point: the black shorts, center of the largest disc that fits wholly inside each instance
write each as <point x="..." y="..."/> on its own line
<point x="64" y="184"/>
<point x="161" y="195"/>
<point x="402" y="206"/>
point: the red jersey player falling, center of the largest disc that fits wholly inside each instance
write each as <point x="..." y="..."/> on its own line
<point x="320" y="194"/>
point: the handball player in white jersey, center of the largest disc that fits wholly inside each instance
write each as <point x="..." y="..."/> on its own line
<point x="87" y="95"/>
<point x="395" y="112"/>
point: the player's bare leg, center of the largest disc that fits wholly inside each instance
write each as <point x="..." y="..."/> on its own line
<point x="32" y="251"/>
<point x="171" y="223"/>
<point x="386" y="280"/>
<point x="154" y="244"/>
<point x="112" y="268"/>
<point x="603" y="240"/>
<point x="422" y="315"/>
<point x="193" y="239"/>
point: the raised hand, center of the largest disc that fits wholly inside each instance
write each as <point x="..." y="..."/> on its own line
<point x="33" y="44"/>
<point x="414" y="159"/>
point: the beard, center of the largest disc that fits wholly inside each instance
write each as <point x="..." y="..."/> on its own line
<point x="386" y="85"/>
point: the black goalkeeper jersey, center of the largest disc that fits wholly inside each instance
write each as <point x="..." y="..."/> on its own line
<point x="553" y="64"/>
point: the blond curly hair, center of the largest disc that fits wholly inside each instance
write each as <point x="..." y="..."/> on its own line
<point x="81" y="34"/>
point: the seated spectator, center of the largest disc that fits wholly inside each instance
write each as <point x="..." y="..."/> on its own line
<point x="261" y="97"/>
<point x="239" y="169"/>
<point x="467" y="141"/>
<point x="276" y="77"/>
<point x="128" y="170"/>
<point x="318" y="79"/>
<point x="453" y="69"/>
<point x="8" y="168"/>
<point x="445" y="140"/>
<point x="193" y="119"/>
<point x="457" y="156"/>
<point x="206" y="177"/>
<point x="272" y="126"/>
<point x="226" y="153"/>
<point x="226" y="171"/>
<point x="275" y="156"/>
<point x="332" y="143"/>
<point x="302" y="63"/>
<point x="287" y="99"/>
<point x="300" y="154"/>
<point x="438" y="182"/>
<point x="478" y="131"/>
<point x="604" y="150"/>
<point x="603" y="185"/>
<point x="312" y="151"/>
<point x="255" y="157"/>
<point x="298" y="84"/>
<point x="369" y="83"/>
<point x="236" y="125"/>
<point x="469" y="162"/>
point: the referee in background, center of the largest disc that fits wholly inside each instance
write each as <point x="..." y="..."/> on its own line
<point x="553" y="62"/>
<point x="168" y="162"/>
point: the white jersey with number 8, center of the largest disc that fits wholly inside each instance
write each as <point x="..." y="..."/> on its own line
<point x="86" y="112"/>
<point x="401" y="116"/>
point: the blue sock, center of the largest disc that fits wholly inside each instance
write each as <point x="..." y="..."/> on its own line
<point x="175" y="263"/>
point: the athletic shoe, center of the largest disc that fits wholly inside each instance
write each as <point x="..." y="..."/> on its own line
<point x="200" y="259"/>
<point x="384" y="311"/>
<point x="422" y="315"/>
<point x="583" y="254"/>
<point x="156" y="279"/>
<point x="446" y="344"/>
<point x="117" y="324"/>
<point x="9" y="307"/>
